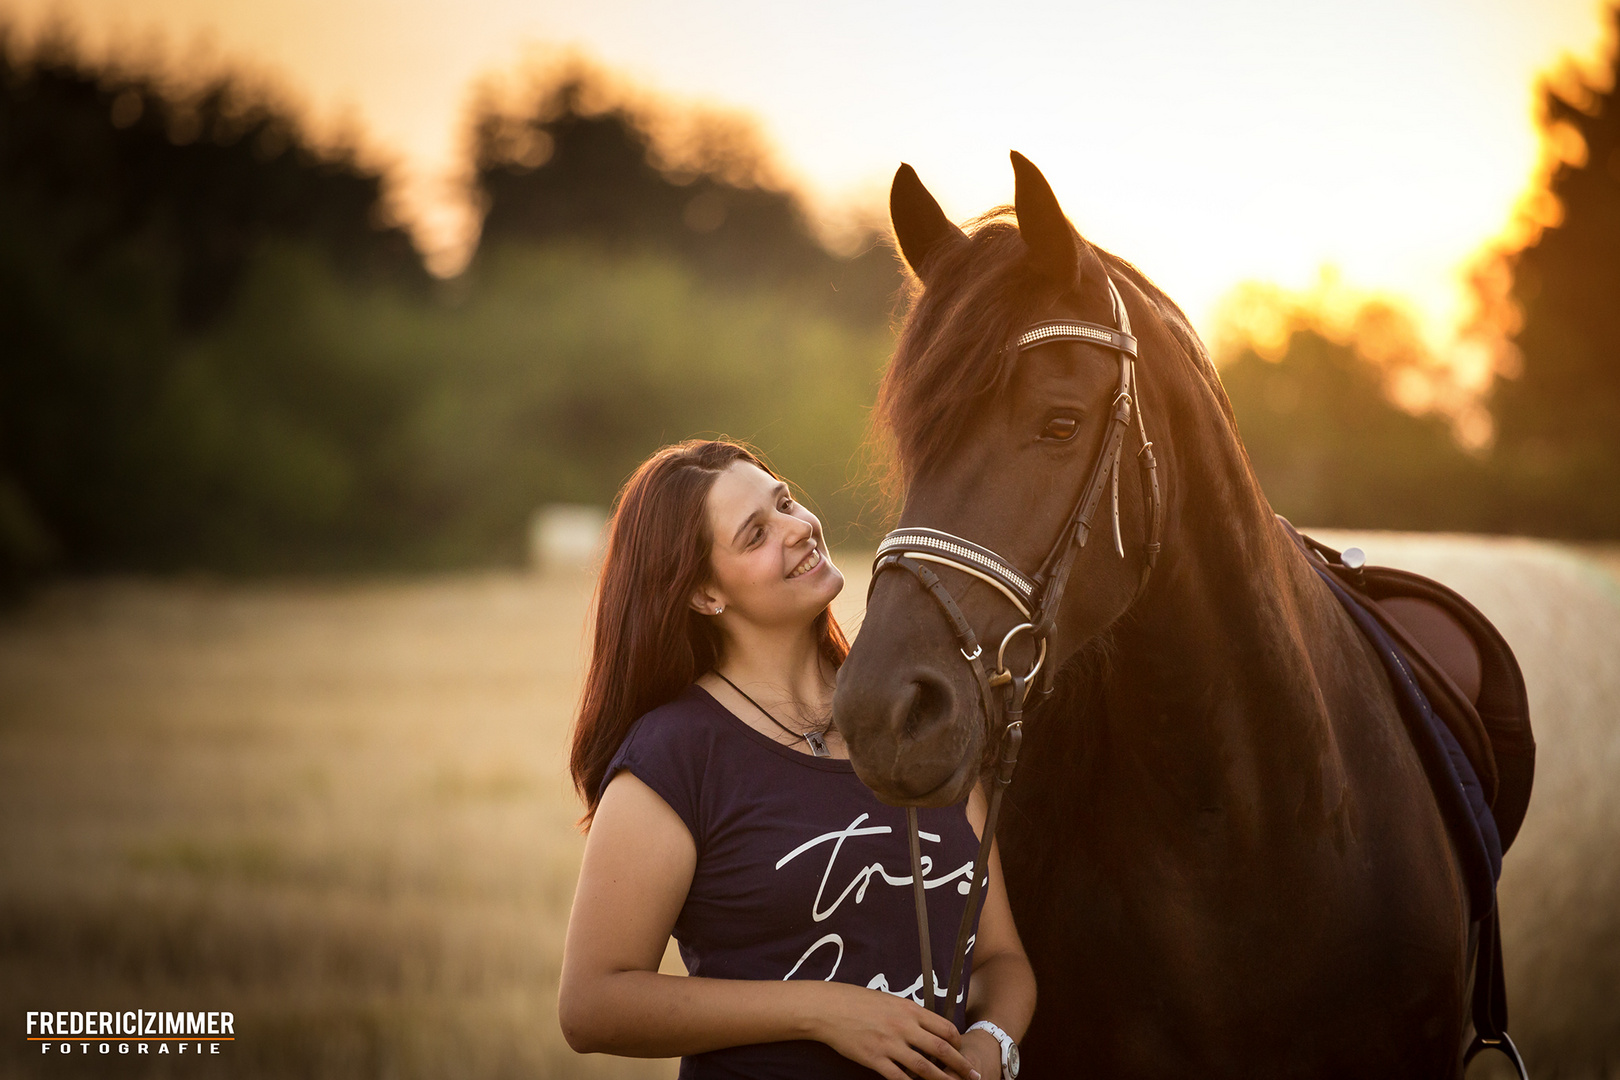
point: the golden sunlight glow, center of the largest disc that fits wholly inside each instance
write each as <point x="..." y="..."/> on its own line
<point x="1209" y="143"/>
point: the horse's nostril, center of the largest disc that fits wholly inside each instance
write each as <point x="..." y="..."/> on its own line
<point x="932" y="703"/>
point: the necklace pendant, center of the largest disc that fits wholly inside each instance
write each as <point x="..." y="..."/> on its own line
<point x="818" y="744"/>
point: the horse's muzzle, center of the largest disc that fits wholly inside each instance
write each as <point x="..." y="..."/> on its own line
<point x="912" y="736"/>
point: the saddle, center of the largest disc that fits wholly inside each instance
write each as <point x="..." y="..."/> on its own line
<point x="1463" y="666"/>
<point x="1455" y="671"/>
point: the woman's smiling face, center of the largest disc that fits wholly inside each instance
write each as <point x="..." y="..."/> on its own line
<point x="769" y="558"/>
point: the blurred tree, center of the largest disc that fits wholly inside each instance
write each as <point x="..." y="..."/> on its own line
<point x="206" y="175"/>
<point x="568" y="365"/>
<point x="1329" y="445"/>
<point x="130" y="217"/>
<point x="1558" y="419"/>
<point x="216" y="351"/>
<point x="576" y="165"/>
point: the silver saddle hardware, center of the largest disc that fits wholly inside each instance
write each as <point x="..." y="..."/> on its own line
<point x="1036" y="598"/>
<point x="1502" y="1045"/>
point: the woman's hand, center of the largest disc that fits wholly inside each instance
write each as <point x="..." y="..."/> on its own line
<point x="891" y="1035"/>
<point x="982" y="1050"/>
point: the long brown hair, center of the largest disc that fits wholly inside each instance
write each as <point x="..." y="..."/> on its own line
<point x="649" y="643"/>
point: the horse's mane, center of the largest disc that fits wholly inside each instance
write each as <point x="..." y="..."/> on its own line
<point x="951" y="352"/>
<point x="1175" y="320"/>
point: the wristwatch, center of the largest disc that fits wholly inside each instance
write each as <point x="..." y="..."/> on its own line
<point x="1009" y="1049"/>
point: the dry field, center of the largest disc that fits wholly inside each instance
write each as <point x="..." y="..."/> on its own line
<point x="340" y="811"/>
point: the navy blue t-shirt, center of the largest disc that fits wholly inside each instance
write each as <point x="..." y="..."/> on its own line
<point x="801" y="873"/>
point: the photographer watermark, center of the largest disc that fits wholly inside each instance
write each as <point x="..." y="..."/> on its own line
<point x="134" y="1031"/>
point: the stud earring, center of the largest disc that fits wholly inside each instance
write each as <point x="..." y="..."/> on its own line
<point x="718" y="610"/>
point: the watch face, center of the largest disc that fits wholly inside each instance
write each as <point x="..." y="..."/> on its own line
<point x="1012" y="1062"/>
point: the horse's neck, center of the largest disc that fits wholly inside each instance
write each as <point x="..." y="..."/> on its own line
<point x="1224" y="684"/>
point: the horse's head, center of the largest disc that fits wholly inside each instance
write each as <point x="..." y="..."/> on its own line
<point x="1001" y="442"/>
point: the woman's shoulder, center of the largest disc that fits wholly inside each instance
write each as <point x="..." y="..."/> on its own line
<point x="671" y="750"/>
<point x="677" y="736"/>
<point x="690" y="718"/>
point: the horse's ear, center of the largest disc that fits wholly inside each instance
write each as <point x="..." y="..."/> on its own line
<point x="1045" y="230"/>
<point x="919" y="224"/>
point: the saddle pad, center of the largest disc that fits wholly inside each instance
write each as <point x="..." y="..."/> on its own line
<point x="1447" y="665"/>
<point x="1456" y="786"/>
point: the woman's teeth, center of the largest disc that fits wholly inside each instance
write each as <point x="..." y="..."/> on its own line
<point x="810" y="562"/>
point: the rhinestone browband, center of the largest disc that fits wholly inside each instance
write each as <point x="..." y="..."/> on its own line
<point x="1062" y="329"/>
<point x="932" y="540"/>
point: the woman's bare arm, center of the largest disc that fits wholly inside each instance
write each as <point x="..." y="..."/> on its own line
<point x="1003" y="986"/>
<point x="638" y="866"/>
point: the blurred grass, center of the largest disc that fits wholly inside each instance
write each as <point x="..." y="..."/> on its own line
<point x="339" y="811"/>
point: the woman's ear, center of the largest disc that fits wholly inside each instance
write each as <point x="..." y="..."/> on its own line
<point x="704" y="602"/>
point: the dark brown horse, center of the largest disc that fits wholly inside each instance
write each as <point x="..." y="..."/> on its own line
<point x="1223" y="853"/>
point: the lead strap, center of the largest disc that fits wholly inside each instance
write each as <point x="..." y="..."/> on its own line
<point x="919" y="895"/>
<point x="1011" y="740"/>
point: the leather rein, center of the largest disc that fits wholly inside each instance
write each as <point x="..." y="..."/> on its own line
<point x="1037" y="599"/>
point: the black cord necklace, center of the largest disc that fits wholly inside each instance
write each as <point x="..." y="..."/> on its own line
<point x="816" y="738"/>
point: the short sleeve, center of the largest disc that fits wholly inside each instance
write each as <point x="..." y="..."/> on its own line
<point x="668" y="750"/>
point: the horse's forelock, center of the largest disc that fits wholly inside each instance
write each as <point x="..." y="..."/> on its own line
<point x="950" y="354"/>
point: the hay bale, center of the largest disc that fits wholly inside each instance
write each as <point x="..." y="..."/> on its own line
<point x="567" y="536"/>
<point x="1560" y="893"/>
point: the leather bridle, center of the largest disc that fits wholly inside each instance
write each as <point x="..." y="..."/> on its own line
<point x="1036" y="597"/>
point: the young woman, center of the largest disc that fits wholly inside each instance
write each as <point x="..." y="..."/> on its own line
<point x="722" y="808"/>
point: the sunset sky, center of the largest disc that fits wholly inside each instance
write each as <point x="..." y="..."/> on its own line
<point x="1211" y="143"/>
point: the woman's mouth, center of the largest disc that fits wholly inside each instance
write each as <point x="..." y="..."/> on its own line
<point x="811" y="561"/>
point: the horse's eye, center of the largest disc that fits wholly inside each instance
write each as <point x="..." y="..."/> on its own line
<point x="1060" y="428"/>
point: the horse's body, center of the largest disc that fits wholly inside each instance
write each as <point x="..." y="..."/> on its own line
<point x="1222" y="852"/>
<point x="1221" y="849"/>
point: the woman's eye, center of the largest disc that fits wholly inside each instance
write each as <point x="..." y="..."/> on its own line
<point x="1060" y="428"/>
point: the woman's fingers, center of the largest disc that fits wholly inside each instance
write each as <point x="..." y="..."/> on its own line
<point x="942" y="1042"/>
<point x="950" y="1057"/>
<point x="936" y="1024"/>
<point x="924" y="1069"/>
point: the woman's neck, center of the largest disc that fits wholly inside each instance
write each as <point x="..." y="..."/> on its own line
<point x="788" y="665"/>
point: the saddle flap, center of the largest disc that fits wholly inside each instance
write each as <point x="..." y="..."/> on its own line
<point x="1440" y="635"/>
<point x="1501" y="704"/>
